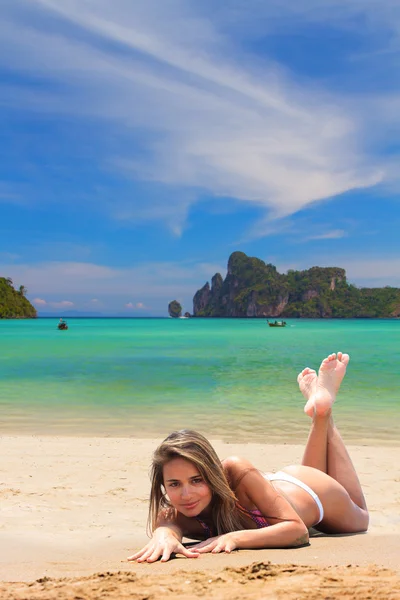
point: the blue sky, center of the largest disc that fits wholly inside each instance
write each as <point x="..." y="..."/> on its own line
<point x="144" y="141"/>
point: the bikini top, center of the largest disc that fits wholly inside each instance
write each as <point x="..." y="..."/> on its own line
<point x="255" y="515"/>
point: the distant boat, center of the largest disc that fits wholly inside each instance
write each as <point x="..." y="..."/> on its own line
<point x="183" y="317"/>
<point x="62" y="325"/>
<point x="277" y="323"/>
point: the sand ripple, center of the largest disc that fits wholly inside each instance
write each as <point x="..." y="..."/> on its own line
<point x="258" y="580"/>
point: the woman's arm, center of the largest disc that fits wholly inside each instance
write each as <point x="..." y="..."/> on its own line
<point x="281" y="535"/>
<point x="269" y="537"/>
<point x="166" y="540"/>
<point x="286" y="527"/>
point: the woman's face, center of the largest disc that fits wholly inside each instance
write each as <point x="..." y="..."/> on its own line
<point x="186" y="489"/>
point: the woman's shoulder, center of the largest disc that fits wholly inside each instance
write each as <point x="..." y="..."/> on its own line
<point x="236" y="467"/>
<point x="233" y="463"/>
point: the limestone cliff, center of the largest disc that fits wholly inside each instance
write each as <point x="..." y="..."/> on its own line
<point x="255" y="289"/>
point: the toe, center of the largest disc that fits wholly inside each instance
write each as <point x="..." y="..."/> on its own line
<point x="345" y="359"/>
<point x="307" y="371"/>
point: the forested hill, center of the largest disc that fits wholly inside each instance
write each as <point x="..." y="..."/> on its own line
<point x="252" y="288"/>
<point x="13" y="304"/>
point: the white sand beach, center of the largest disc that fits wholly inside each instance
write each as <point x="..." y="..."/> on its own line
<point x="75" y="507"/>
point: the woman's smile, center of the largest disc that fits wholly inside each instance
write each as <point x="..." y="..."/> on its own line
<point x="190" y="506"/>
<point x="185" y="486"/>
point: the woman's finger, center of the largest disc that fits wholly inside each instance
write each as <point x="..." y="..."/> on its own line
<point x="138" y="554"/>
<point x="229" y="547"/>
<point x="207" y="548"/>
<point x="198" y="546"/>
<point x="134" y="556"/>
<point x="146" y="554"/>
<point x="155" y="555"/>
<point x="188" y="552"/>
<point x="204" y="543"/>
<point x="166" y="555"/>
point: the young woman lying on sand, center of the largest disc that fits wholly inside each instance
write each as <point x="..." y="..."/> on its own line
<point x="231" y="504"/>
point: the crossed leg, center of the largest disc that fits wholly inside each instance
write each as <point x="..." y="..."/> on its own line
<point x="345" y="506"/>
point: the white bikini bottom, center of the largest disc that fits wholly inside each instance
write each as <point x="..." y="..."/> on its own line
<point x="282" y="476"/>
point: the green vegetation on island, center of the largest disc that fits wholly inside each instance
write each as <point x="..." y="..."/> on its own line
<point x="174" y="309"/>
<point x="253" y="288"/>
<point x="13" y="304"/>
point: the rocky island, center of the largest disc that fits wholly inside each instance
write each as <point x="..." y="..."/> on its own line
<point x="253" y="288"/>
<point x="174" y="309"/>
<point x="13" y="304"/>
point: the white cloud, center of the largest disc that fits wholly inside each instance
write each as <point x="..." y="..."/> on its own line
<point x="40" y="302"/>
<point x="213" y="117"/>
<point x="150" y="280"/>
<point x="61" y="304"/>
<point x="293" y="228"/>
<point x="328" y="235"/>
<point x="136" y="306"/>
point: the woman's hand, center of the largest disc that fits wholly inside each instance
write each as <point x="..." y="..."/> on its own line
<point x="162" y="544"/>
<point x="220" y="543"/>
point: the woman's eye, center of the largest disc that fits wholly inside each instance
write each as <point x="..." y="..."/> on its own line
<point x="174" y="484"/>
<point x="198" y="480"/>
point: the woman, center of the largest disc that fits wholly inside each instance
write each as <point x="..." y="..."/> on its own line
<point x="232" y="504"/>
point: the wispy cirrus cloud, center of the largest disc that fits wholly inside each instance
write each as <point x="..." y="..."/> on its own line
<point x="193" y="111"/>
<point x="328" y="235"/>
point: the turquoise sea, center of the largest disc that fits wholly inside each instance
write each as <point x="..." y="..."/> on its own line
<point x="232" y="379"/>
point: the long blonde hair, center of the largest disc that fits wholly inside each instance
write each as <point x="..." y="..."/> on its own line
<point x="194" y="447"/>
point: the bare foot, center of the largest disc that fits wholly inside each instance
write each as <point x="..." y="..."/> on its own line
<point x="321" y="392"/>
<point x="307" y="381"/>
<point x="340" y="369"/>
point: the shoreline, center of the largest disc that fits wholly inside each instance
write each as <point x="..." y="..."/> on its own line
<point x="375" y="438"/>
<point x="73" y="506"/>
